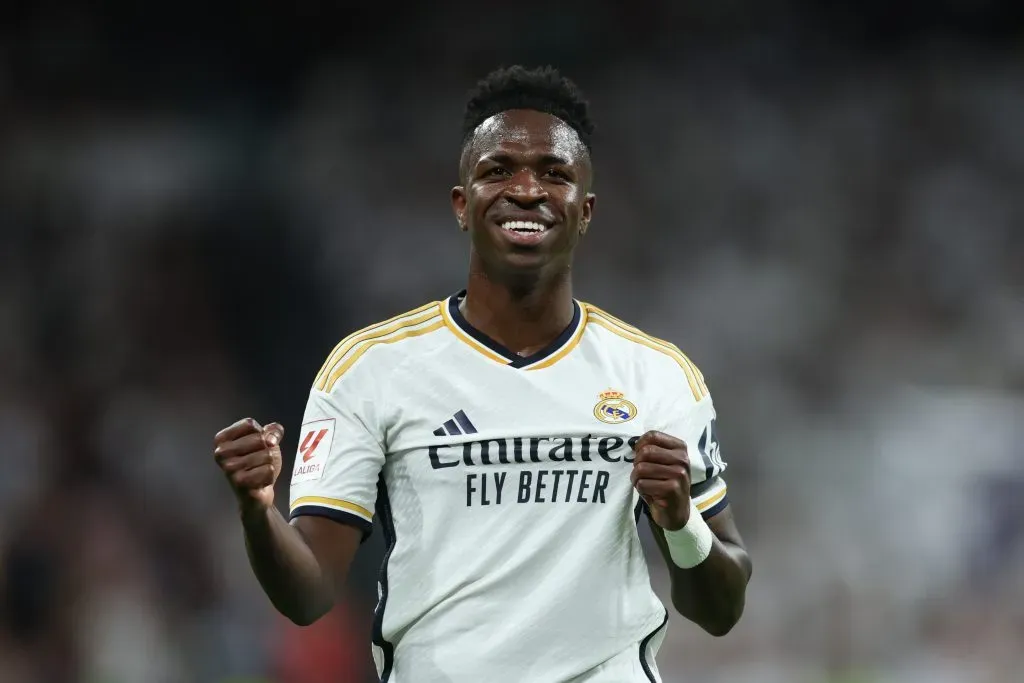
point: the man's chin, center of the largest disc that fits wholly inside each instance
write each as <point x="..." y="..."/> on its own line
<point x="523" y="266"/>
<point x="503" y="259"/>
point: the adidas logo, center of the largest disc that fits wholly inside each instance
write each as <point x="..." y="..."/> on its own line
<point x="458" y="424"/>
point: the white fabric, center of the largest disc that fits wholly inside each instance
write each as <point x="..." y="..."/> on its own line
<point x="521" y="562"/>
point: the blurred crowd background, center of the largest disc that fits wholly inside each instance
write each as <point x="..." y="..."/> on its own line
<point x="820" y="202"/>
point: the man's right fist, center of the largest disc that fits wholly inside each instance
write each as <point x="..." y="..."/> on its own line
<point x="250" y="457"/>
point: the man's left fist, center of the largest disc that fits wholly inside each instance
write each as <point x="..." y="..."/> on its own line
<point x="661" y="474"/>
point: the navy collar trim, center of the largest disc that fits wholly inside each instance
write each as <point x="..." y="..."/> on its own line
<point x="514" y="359"/>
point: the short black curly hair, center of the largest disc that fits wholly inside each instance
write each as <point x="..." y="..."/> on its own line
<point x="541" y="89"/>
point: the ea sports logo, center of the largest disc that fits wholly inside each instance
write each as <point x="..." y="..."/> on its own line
<point x="613" y="408"/>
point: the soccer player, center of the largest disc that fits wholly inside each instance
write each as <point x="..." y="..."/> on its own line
<point x="508" y="439"/>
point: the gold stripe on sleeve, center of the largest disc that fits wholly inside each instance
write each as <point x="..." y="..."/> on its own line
<point x="375" y="333"/>
<point x="333" y="357"/>
<point x="334" y="503"/>
<point x="635" y="330"/>
<point x="712" y="501"/>
<point x="343" y="367"/>
<point x="644" y="340"/>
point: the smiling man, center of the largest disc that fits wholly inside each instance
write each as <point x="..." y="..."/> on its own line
<point x="507" y="438"/>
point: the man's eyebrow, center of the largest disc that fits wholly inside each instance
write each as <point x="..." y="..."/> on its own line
<point x="505" y="158"/>
<point x="554" y="159"/>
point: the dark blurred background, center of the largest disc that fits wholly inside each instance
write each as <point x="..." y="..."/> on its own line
<point x="820" y="202"/>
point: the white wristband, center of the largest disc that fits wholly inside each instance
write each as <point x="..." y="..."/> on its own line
<point x="690" y="545"/>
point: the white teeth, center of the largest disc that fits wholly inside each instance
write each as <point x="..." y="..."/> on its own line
<point x="523" y="226"/>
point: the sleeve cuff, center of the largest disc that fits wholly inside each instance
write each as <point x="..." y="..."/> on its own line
<point x="711" y="497"/>
<point x="338" y="510"/>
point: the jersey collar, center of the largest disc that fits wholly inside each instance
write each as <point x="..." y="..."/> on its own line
<point x="546" y="357"/>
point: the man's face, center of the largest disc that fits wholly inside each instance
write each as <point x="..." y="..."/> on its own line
<point x="524" y="199"/>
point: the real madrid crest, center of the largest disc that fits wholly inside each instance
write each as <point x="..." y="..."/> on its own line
<point x="613" y="408"/>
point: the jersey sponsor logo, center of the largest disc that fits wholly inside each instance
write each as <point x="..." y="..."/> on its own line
<point x="315" y="446"/>
<point x="537" y="486"/>
<point x="613" y="408"/>
<point x="572" y="469"/>
<point x="532" y="449"/>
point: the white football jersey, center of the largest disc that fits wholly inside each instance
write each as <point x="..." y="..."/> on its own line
<point x="502" y="486"/>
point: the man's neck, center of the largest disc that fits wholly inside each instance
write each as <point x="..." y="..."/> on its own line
<point x="525" y="318"/>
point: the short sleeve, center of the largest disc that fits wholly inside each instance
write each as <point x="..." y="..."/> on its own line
<point x="339" y="459"/>
<point x="695" y="422"/>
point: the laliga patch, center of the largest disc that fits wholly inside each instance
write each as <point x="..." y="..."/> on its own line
<point x="314" y="447"/>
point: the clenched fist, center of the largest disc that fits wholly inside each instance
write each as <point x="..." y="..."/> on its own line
<point x="661" y="474"/>
<point x="250" y="457"/>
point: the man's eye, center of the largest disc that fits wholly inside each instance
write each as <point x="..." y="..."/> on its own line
<point x="555" y="173"/>
<point x="496" y="171"/>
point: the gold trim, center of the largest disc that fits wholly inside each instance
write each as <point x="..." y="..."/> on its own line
<point x="629" y="336"/>
<point x="466" y="339"/>
<point x="332" y="502"/>
<point x="636" y="330"/>
<point x="376" y="333"/>
<point x="712" y="501"/>
<point x="331" y="360"/>
<point x="343" y="368"/>
<point x="569" y="345"/>
<point x="630" y="333"/>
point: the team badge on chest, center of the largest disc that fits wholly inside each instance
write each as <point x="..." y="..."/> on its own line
<point x="613" y="408"/>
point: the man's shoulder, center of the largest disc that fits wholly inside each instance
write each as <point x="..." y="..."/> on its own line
<point x="394" y="332"/>
<point x="630" y="337"/>
<point x="652" y="352"/>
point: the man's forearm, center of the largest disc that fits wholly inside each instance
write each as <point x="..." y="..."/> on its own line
<point x="713" y="593"/>
<point x="286" y="567"/>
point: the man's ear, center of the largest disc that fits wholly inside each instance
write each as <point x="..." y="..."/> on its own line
<point x="588" y="212"/>
<point x="459" y="206"/>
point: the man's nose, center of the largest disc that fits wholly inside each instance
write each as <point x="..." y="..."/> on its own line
<point x="525" y="189"/>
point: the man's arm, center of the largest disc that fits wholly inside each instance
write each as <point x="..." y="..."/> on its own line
<point x="713" y="593"/>
<point x="707" y="562"/>
<point x="299" y="565"/>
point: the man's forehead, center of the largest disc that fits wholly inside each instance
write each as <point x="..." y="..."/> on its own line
<point x="527" y="130"/>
